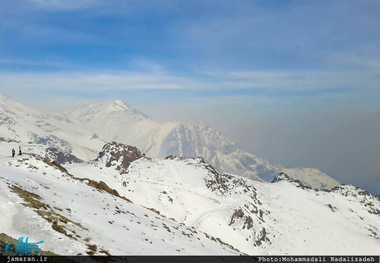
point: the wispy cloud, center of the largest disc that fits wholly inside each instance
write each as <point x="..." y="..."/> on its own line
<point x="88" y="82"/>
<point x="154" y="77"/>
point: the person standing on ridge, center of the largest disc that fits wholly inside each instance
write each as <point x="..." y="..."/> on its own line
<point x="19" y="150"/>
<point x="13" y="152"/>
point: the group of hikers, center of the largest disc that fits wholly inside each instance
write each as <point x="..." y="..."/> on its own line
<point x="14" y="152"/>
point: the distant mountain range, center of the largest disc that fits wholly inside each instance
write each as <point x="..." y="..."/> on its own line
<point x="81" y="133"/>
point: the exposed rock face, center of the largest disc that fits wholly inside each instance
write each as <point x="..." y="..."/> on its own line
<point x="261" y="236"/>
<point x="61" y="157"/>
<point x="239" y="214"/>
<point x="281" y="177"/>
<point x="119" y="156"/>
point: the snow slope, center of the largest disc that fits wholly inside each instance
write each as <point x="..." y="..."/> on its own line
<point x="128" y="204"/>
<point x="81" y="216"/>
<point x="283" y="217"/>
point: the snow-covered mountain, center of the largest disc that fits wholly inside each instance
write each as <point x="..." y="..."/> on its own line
<point x="128" y="203"/>
<point x="116" y="121"/>
<point x="81" y="134"/>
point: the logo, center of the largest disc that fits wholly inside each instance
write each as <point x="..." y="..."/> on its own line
<point x="22" y="248"/>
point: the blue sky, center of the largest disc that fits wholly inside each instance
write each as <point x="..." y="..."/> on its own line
<point x="228" y="47"/>
<point x="246" y="61"/>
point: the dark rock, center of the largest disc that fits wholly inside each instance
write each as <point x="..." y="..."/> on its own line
<point x="374" y="211"/>
<point x="173" y="157"/>
<point x="281" y="177"/>
<point x="261" y="236"/>
<point x="333" y="208"/>
<point x="240" y="215"/>
<point x="170" y="157"/>
<point x="363" y="192"/>
<point x="2" y="139"/>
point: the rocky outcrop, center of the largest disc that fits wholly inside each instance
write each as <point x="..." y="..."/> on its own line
<point x="119" y="156"/>
<point x="240" y="215"/>
<point x="242" y="218"/>
<point x="260" y="237"/>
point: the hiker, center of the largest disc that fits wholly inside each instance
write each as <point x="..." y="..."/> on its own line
<point x="124" y="184"/>
<point x="13" y="152"/>
<point x="19" y="150"/>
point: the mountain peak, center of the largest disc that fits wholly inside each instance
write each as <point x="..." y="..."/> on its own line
<point x="121" y="105"/>
<point x="106" y="107"/>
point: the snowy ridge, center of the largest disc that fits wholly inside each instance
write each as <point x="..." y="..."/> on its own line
<point x="284" y="217"/>
<point x="356" y="193"/>
<point x="44" y="201"/>
<point x="284" y="177"/>
<point x="310" y="176"/>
